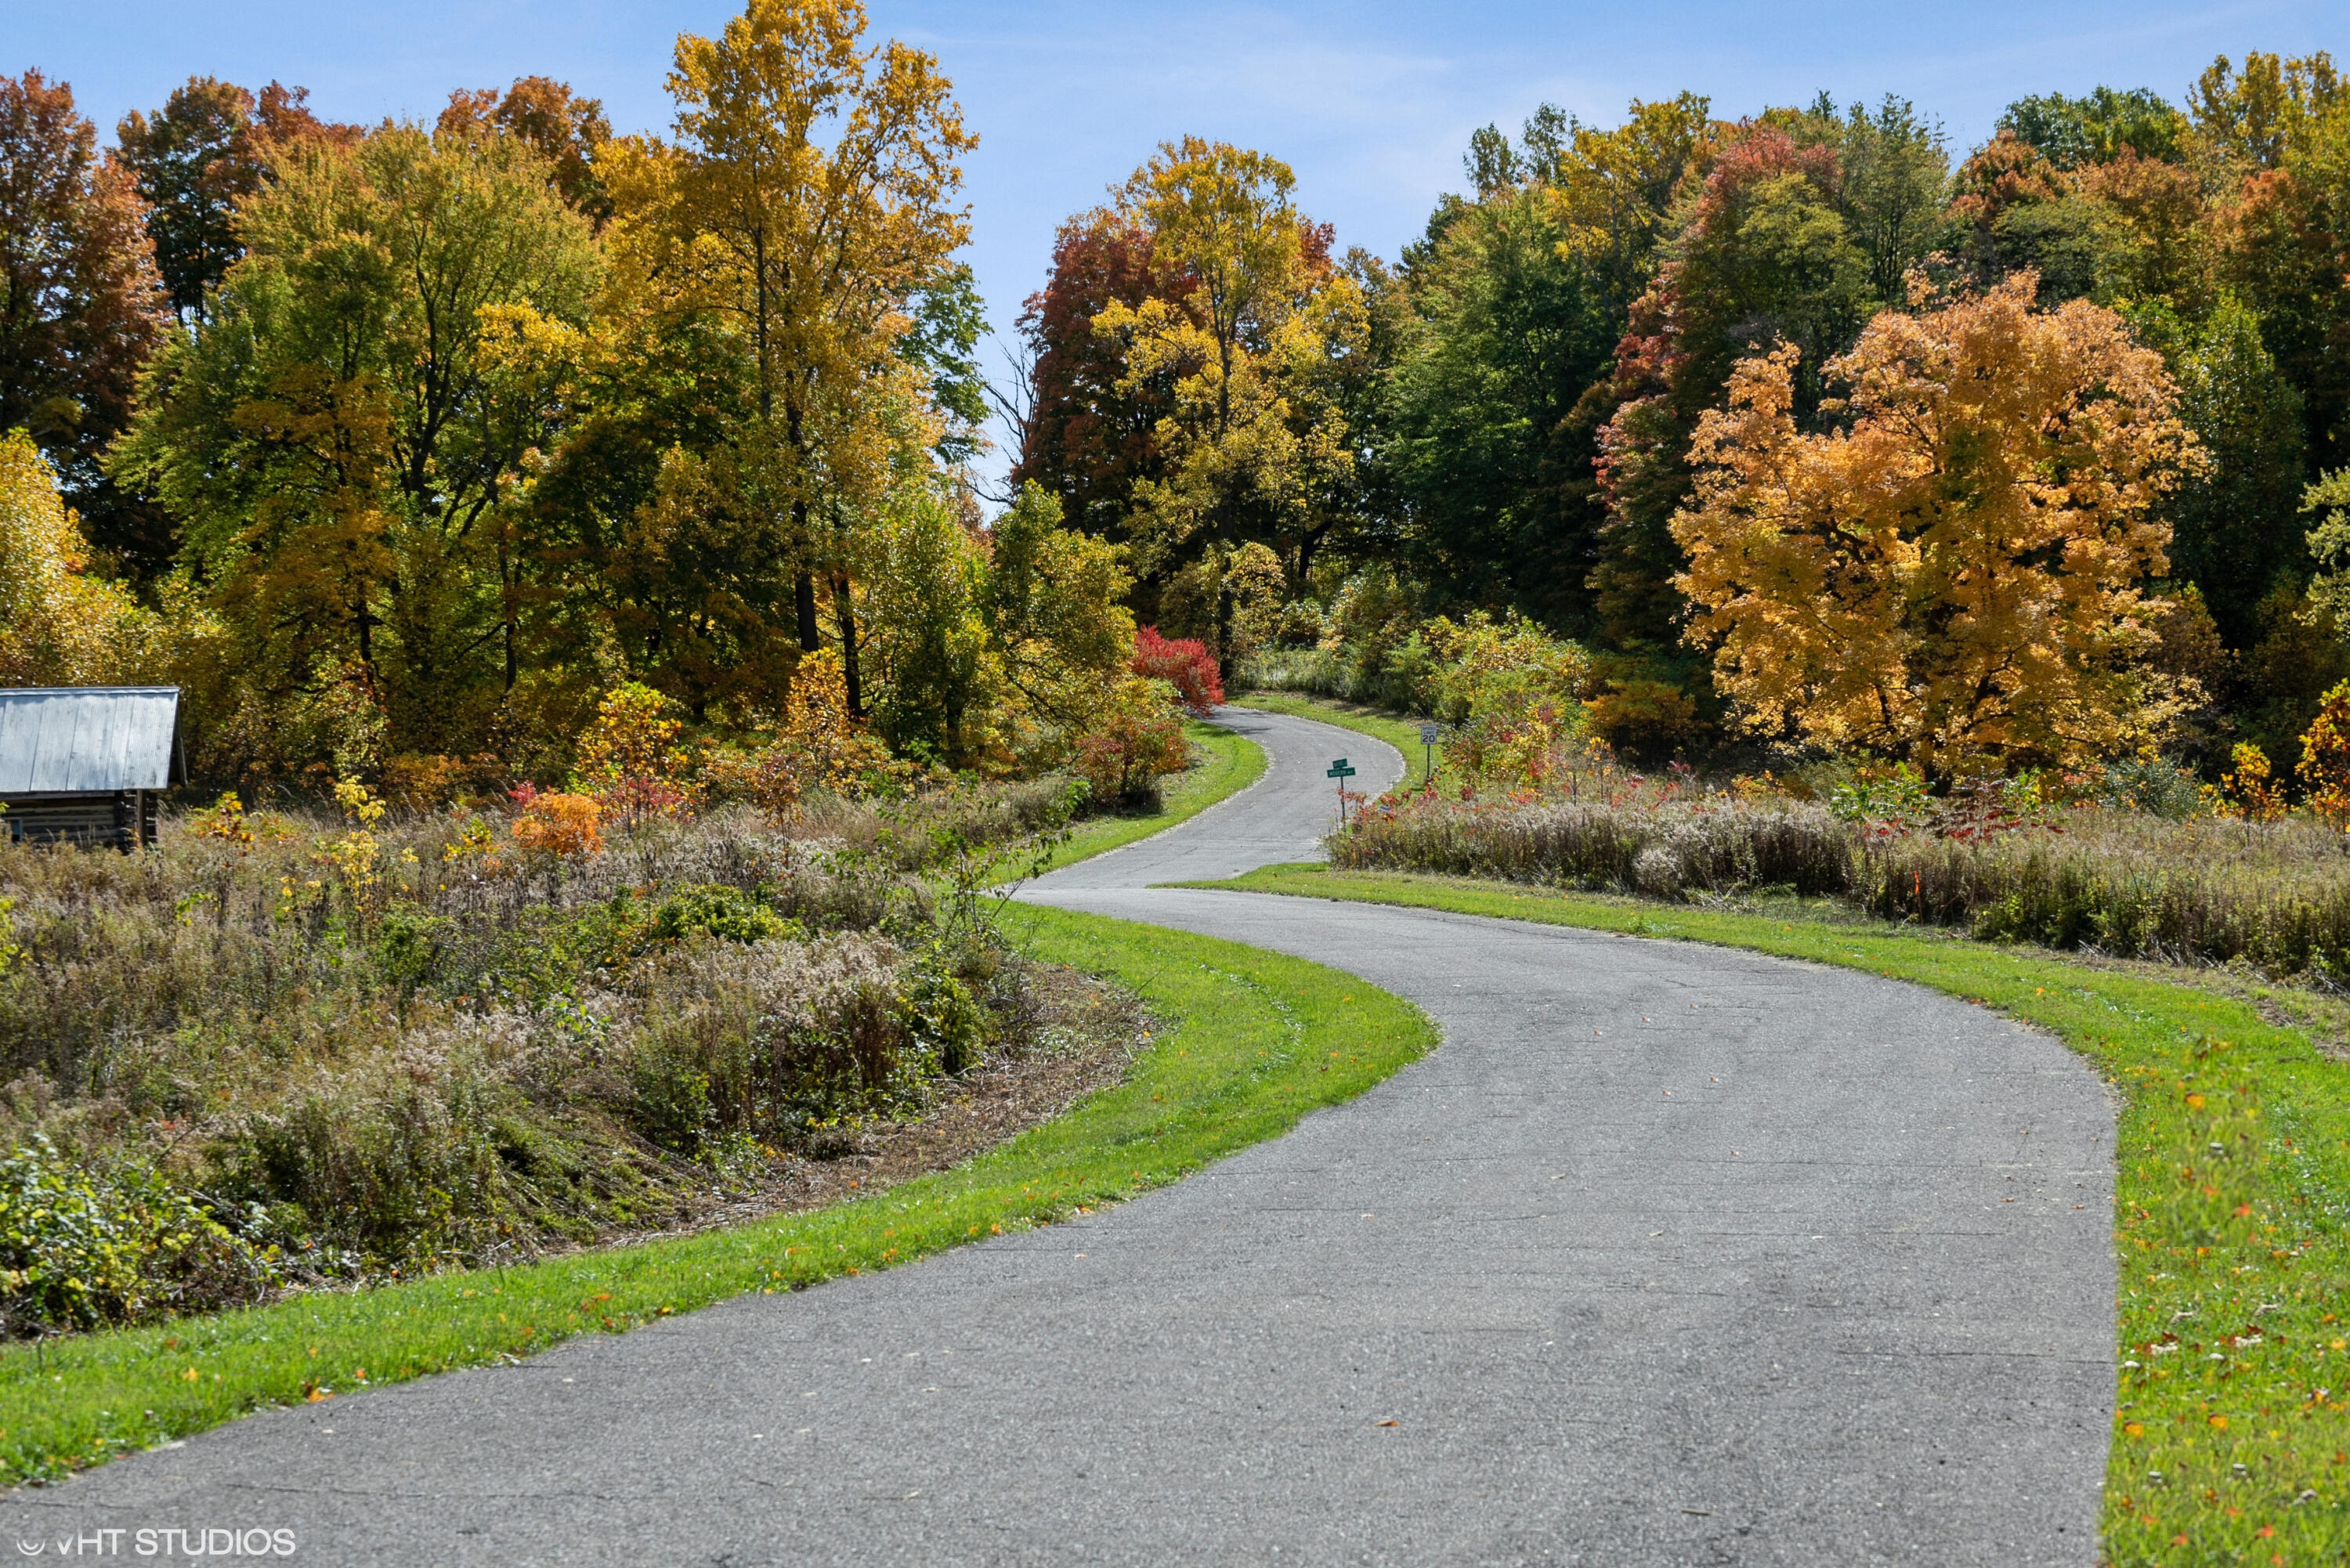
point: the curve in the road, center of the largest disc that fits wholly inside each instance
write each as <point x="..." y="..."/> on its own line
<point x="1669" y="1255"/>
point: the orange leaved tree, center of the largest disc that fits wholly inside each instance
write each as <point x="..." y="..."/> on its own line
<point x="1952" y="576"/>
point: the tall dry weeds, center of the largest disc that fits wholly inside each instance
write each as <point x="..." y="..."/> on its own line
<point x="2274" y="895"/>
<point x="363" y="1050"/>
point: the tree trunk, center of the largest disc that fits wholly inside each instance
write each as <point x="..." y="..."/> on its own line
<point x="804" y="596"/>
<point x="507" y="575"/>
<point x="1308" y="547"/>
<point x="844" y="609"/>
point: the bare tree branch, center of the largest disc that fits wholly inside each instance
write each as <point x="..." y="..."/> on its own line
<point x="1013" y="396"/>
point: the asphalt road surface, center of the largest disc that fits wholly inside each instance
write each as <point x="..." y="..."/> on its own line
<point x="1669" y="1255"/>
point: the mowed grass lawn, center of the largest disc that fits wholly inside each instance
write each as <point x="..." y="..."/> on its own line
<point x="2231" y="1437"/>
<point x="1251" y="1041"/>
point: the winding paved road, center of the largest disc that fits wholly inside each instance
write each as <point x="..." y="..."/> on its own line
<point x="1670" y="1255"/>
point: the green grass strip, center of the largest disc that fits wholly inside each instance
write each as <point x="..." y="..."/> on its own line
<point x="2231" y="1442"/>
<point x="1251" y="1042"/>
<point x="1400" y="733"/>
<point x="1229" y="765"/>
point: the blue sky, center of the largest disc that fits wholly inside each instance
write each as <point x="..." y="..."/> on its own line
<point x="1371" y="102"/>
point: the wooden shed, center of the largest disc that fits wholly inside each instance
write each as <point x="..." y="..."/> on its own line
<point x="86" y="764"/>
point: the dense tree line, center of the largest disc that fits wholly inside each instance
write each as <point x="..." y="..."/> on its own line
<point x="414" y="440"/>
<point x="409" y="442"/>
<point x="1509" y="408"/>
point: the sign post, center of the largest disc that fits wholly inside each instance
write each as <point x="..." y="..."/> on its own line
<point x="1342" y="772"/>
<point x="1428" y="734"/>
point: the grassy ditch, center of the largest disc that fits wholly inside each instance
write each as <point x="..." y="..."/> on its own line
<point x="1403" y="734"/>
<point x="1253" y="1041"/>
<point x="2232" y="1439"/>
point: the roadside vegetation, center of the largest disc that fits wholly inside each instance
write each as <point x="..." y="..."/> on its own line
<point x="315" y="1047"/>
<point x="2063" y="862"/>
<point x="1243" y="1044"/>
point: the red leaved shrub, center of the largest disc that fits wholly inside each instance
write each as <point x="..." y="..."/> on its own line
<point x="1183" y="663"/>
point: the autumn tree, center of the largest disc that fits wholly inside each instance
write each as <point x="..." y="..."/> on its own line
<point x="2254" y="116"/>
<point x="2280" y="130"/>
<point x="1615" y="190"/>
<point x="565" y="129"/>
<point x="1454" y="383"/>
<point x="2019" y="212"/>
<point x="1763" y="258"/>
<point x="1952" y="576"/>
<point x="807" y="196"/>
<point x="342" y="443"/>
<point x="81" y="304"/>
<point x="206" y="149"/>
<point x="61" y="623"/>
<point x="1254" y="353"/>
<point x="2153" y="225"/>
<point x="1091" y="430"/>
<point x="2094" y="196"/>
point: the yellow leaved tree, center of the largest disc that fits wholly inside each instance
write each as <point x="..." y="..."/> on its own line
<point x="631" y="758"/>
<point x="807" y="196"/>
<point x="2325" y="758"/>
<point x="1952" y="576"/>
<point x="1257" y="344"/>
<point x="58" y="625"/>
<point x="1613" y="191"/>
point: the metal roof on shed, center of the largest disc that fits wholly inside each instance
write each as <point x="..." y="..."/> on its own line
<point x="66" y="739"/>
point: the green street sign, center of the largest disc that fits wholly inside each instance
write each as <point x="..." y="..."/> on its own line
<point x="1339" y="770"/>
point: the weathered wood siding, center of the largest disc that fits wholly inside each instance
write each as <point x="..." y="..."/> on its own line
<point x="121" y="818"/>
